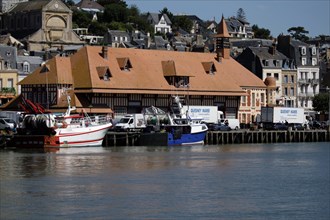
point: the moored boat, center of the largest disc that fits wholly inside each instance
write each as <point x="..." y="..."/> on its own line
<point x="178" y="128"/>
<point x="65" y="130"/>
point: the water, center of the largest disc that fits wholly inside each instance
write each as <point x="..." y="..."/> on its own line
<point x="260" y="181"/>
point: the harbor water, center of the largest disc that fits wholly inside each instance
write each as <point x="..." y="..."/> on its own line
<point x="246" y="181"/>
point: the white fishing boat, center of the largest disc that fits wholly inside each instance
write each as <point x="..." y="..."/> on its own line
<point x="82" y="131"/>
<point x="67" y="130"/>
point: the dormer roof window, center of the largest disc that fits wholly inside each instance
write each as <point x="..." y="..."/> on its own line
<point x="45" y="69"/>
<point x="104" y="73"/>
<point x="209" y="68"/>
<point x="175" y="75"/>
<point x="303" y="50"/>
<point x="124" y="63"/>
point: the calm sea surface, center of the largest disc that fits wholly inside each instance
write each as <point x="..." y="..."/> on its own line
<point x="260" y="181"/>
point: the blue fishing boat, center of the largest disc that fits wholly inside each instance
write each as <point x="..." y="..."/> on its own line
<point x="172" y="129"/>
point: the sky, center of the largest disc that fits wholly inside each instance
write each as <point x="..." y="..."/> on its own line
<point x="275" y="15"/>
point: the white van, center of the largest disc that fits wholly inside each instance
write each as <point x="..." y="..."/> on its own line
<point x="233" y="123"/>
<point x="7" y="123"/>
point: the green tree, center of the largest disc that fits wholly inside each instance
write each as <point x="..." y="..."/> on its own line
<point x="261" y="32"/>
<point x="115" y="12"/>
<point x="321" y="102"/>
<point x="81" y="18"/>
<point x="241" y="14"/>
<point x="108" y="2"/>
<point x="166" y="11"/>
<point x="298" y="33"/>
<point x="97" y="28"/>
<point x="182" y="22"/>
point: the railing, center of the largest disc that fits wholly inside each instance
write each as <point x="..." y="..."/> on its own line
<point x="302" y="81"/>
<point x="314" y="81"/>
<point x="8" y="90"/>
<point x="308" y="94"/>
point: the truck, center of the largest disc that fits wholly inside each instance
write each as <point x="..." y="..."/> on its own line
<point x="210" y="115"/>
<point x="132" y="122"/>
<point x="281" y="118"/>
<point x="282" y="114"/>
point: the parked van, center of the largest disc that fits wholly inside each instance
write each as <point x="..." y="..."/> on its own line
<point x="233" y="123"/>
<point x="7" y="123"/>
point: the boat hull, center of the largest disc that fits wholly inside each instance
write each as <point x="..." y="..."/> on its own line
<point x="186" y="139"/>
<point x="79" y="136"/>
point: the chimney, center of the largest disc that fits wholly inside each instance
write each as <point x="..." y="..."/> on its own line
<point x="272" y="49"/>
<point x="105" y="52"/>
<point x="199" y="40"/>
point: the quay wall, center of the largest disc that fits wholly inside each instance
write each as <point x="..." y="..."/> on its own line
<point x="229" y="137"/>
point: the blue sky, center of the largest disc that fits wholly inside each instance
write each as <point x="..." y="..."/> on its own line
<point x="276" y="15"/>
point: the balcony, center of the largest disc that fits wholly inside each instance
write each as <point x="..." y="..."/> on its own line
<point x="314" y="81"/>
<point x="303" y="81"/>
<point x="305" y="95"/>
<point x="7" y="91"/>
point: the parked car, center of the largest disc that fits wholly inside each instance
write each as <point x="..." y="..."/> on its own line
<point x="297" y="126"/>
<point x="7" y="124"/>
<point x="280" y="126"/>
<point x="219" y="127"/>
<point x="315" y="125"/>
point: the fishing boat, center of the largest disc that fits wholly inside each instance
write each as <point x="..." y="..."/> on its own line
<point x="65" y="130"/>
<point x="172" y="129"/>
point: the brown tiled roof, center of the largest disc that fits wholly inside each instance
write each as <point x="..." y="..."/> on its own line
<point x="55" y="71"/>
<point x="147" y="72"/>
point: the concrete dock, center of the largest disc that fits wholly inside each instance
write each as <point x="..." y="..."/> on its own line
<point x="230" y="137"/>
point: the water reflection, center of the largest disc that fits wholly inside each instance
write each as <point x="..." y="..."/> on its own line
<point x="202" y="182"/>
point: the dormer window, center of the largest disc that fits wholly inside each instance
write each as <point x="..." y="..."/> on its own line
<point x="124" y="64"/>
<point x="26" y="67"/>
<point x="266" y="62"/>
<point x="209" y="68"/>
<point x="303" y="50"/>
<point x="313" y="50"/>
<point x="175" y="75"/>
<point x="104" y="73"/>
<point x="44" y="69"/>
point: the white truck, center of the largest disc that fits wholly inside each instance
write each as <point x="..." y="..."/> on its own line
<point x="210" y="115"/>
<point x="132" y="122"/>
<point x="282" y="114"/>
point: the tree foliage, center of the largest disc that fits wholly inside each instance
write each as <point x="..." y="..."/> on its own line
<point x="321" y="102"/>
<point x="167" y="12"/>
<point x="81" y="19"/>
<point x="97" y="28"/>
<point x="261" y="33"/>
<point x="298" y="33"/>
<point x="241" y="14"/>
<point x="182" y="22"/>
<point x="115" y="12"/>
<point x="108" y="2"/>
